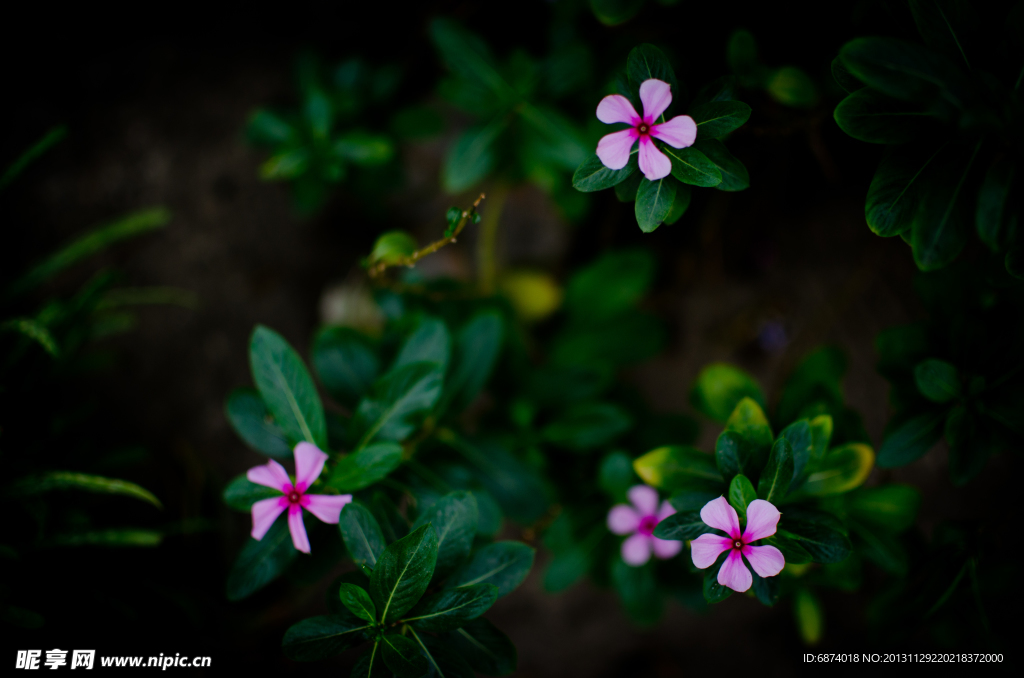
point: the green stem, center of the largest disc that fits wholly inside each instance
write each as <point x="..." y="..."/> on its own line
<point x="486" y="251"/>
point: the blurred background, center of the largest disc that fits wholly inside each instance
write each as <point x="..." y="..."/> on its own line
<point x="156" y="110"/>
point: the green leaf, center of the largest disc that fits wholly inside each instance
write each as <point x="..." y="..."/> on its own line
<point x="49" y="140"/>
<point x="34" y="331"/>
<point x="92" y="243"/>
<point x="516" y="488"/>
<point x="896" y="189"/>
<point x="319" y="113"/>
<point x="402" y="655"/>
<point x="682" y="526"/>
<point x="615" y="476"/>
<point x="994" y="216"/>
<point x="810" y="619"/>
<point x="713" y="591"/>
<point x="260" y="562"/>
<point x="363" y="148"/>
<point x="734" y="174"/>
<point x="392" y="523"/>
<point x="447" y="610"/>
<point x="798" y="434"/>
<point x="790" y="86"/>
<point x="766" y="589"/>
<point x="471" y="157"/>
<point x="821" y="434"/>
<point x="504" y="564"/>
<point x="840" y="470"/>
<point x="430" y="343"/>
<point x="910" y="441"/>
<point x="371" y="664"/>
<point x="252" y="422"/>
<point x="716" y="119"/>
<point x="486" y="648"/>
<point x="791" y="549"/>
<point x="679" y="205"/>
<point x="613" y="283"/>
<point x="107" y="538"/>
<point x="778" y="474"/>
<point x="970" y="444"/>
<point x="937" y="380"/>
<point x="748" y="420"/>
<point x="690" y="166"/>
<point x="615" y="12"/>
<point x="888" y="507"/>
<point x="869" y="115"/>
<point x="241" y="493"/>
<point x="357" y="601"/>
<point x="587" y="426"/>
<point x="566" y="568"/>
<point x="900" y="69"/>
<point x="722" y="89"/>
<point x="627" y="189"/>
<point x="454" y="517"/>
<point x="321" y="637"/>
<point x="732" y="454"/>
<point x="290" y="164"/>
<point x="692" y="500"/>
<point x="945" y="25"/>
<point x="365" y="467"/>
<point x="592" y="175"/>
<point x="942" y="221"/>
<point x="819" y="533"/>
<point x="818" y="378"/>
<point x="654" y="203"/>
<point x="286" y="388"/>
<point x="646" y="62"/>
<point x="345" y="362"/>
<point x="844" y="78"/>
<point x="443" y="661"/>
<point x="468" y="56"/>
<point x="638" y="590"/>
<point x="477" y="346"/>
<point x="392" y="247"/>
<point x="403" y="573"/>
<point x="741" y="493"/>
<point x="881" y="548"/>
<point x="677" y="467"/>
<point x="397" y="402"/>
<point x="719" y="389"/>
<point x="741" y="52"/>
<point x="361" y="533"/>
<point x="268" y="129"/>
<point x="69" y="480"/>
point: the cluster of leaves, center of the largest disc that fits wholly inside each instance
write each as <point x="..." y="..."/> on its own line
<point x="708" y="163"/>
<point x="949" y="111"/>
<point x="47" y="349"/>
<point x="957" y="375"/>
<point x="313" y="148"/>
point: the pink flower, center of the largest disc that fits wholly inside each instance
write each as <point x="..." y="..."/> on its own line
<point x="639" y="520"/>
<point x="762" y="519"/>
<point x="614" y="149"/>
<point x="309" y="463"/>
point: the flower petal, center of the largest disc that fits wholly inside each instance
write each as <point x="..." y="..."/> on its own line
<point x="298" y="530"/>
<point x="653" y="163"/>
<point x="656" y="95"/>
<point x="666" y="510"/>
<point x="734" y="573"/>
<point x="613" y="149"/>
<point x="720" y="515"/>
<point x="762" y="519"/>
<point x="264" y="513"/>
<point x="637" y="550"/>
<point x="705" y="549"/>
<point x="309" y="463"/>
<point x="616" y="108"/>
<point x="326" y="507"/>
<point x="767" y="561"/>
<point x="272" y="475"/>
<point x="644" y="498"/>
<point x="680" y="131"/>
<point x="623" y="519"/>
<point x="666" y="548"/>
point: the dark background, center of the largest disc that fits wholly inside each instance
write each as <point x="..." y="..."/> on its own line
<point x="156" y="103"/>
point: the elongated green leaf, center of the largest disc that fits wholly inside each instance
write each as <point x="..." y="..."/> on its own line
<point x="345" y="362"/>
<point x="471" y="157"/>
<point x="253" y="423"/>
<point x="937" y="380"/>
<point x="646" y="62"/>
<point x="241" y="493"/>
<point x="900" y="69"/>
<point x="993" y="216"/>
<point x="268" y="129"/>
<point x="734" y="174"/>
<point x="818" y="533"/>
<point x="840" y="470"/>
<point x="871" y="116"/>
<point x="430" y="343"/>
<point x="626" y="190"/>
<point x="260" y="562"/>
<point x="107" y="538"/>
<point x="741" y="493"/>
<point x="692" y="500"/>
<point x="402" y="655"/>
<point x="718" y="118"/>
<point x="364" y="148"/>
<point x="713" y="591"/>
<point x="466" y="54"/>
<point x="682" y="526"/>
<point x="69" y="480"/>
<point x="679" y="205"/>
<point x="403" y="573"/>
<point x="592" y="175"/>
<point x="778" y="474"/>
<point x="90" y="244"/>
<point x="477" y="346"/>
<point x="654" y="203"/>
<point x="397" y="402"/>
<point x="365" y="467"/>
<point x="35" y="331"/>
<point x="638" y="591"/>
<point x="361" y="533"/>
<point x="750" y="423"/>
<point x="504" y="564"/>
<point x="810" y="619"/>
<point x="449" y="609"/>
<point x="371" y="664"/>
<point x="720" y="387"/>
<point x="942" y="221"/>
<point x="946" y="25"/>
<point x="517" y="489"/>
<point x="799" y="436"/>
<point x="791" y="549"/>
<point x="888" y="507"/>
<point x="896" y="188"/>
<point x="690" y="166"/>
<point x="587" y="426"/>
<point x="910" y="441"/>
<point x="442" y="660"/>
<point x="454" y="517"/>
<point x="49" y="140"/>
<point x="357" y="601"/>
<point x="677" y="467"/>
<point x="286" y="388"/>
<point x="486" y="648"/>
<point x="844" y="78"/>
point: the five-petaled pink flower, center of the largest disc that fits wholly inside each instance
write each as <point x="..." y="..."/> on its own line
<point x="309" y="463"/>
<point x="615" y="148"/>
<point x="639" y="520"/>
<point x="762" y="518"/>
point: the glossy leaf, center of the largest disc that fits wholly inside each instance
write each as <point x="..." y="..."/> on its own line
<point x="286" y="388"/>
<point x="680" y="204"/>
<point x="345" y="362"/>
<point x="403" y="573"/>
<point x="868" y="115"/>
<point x="682" y="526"/>
<point x="321" y="637"/>
<point x="690" y="166"/>
<point x="891" y="507"/>
<point x="840" y="470"/>
<point x="646" y="62"/>
<point x="504" y="564"/>
<point x="361" y="533"/>
<point x="402" y="655"/>
<point x="819" y="533"/>
<point x="713" y="591"/>
<point x="486" y="648"/>
<point x="942" y="222"/>
<point x="741" y="493"/>
<point x="718" y="118"/>
<point x="798" y="434"/>
<point x="900" y="69"/>
<point x="676" y="467"/>
<point x="720" y="387"/>
<point x="454" y="517"/>
<point x="810" y="619"/>
<point x="910" y="441"/>
<point x="654" y="203"/>
<point x="734" y="173"/>
<point x="592" y="175"/>
<point x="253" y="423"/>
<point x="748" y="420"/>
<point x="51" y="481"/>
<point x="371" y="664"/>
<point x="471" y="158"/>
<point x="430" y="342"/>
<point x="937" y="380"/>
<point x="449" y="609"/>
<point x="241" y="493"/>
<point x="477" y="346"/>
<point x="993" y="217"/>
<point x="778" y="474"/>
<point x="896" y="189"/>
<point x="844" y="78"/>
<point x="357" y="601"/>
<point x="260" y="562"/>
<point x="392" y="247"/>
<point x="397" y="402"/>
<point x="365" y="467"/>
